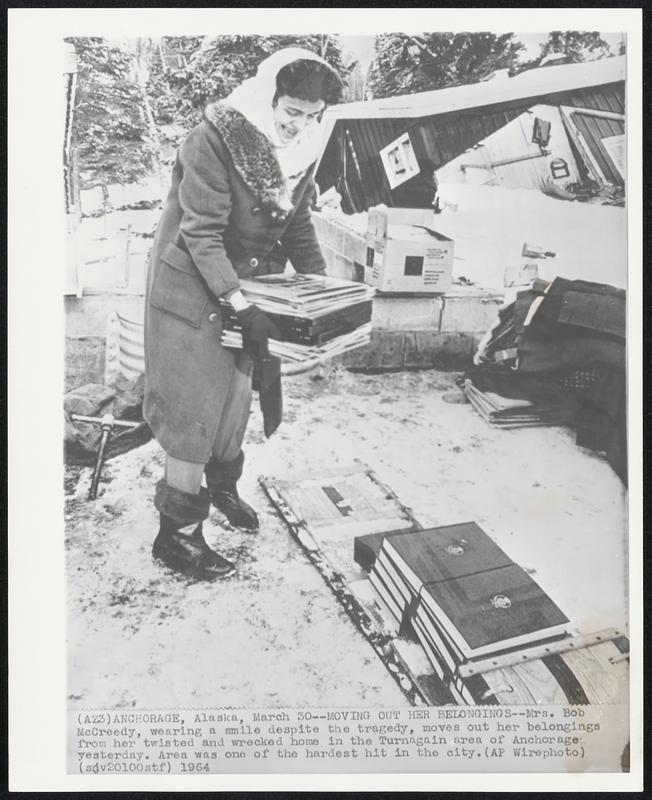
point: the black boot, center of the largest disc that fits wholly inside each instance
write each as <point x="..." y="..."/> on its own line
<point x="186" y="552"/>
<point x="221" y="479"/>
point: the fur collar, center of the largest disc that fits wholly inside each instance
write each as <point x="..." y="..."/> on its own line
<point x="253" y="157"/>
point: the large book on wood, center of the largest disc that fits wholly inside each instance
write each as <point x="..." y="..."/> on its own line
<point x="395" y="586"/>
<point x="442" y="668"/>
<point x="440" y="554"/>
<point x="386" y="593"/>
<point x="493" y="611"/>
<point x="366" y="548"/>
<point x="403" y="562"/>
<point x="438" y="639"/>
<point x="436" y="648"/>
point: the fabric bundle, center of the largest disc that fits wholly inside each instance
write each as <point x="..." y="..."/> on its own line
<point x="562" y="346"/>
<point x="124" y="400"/>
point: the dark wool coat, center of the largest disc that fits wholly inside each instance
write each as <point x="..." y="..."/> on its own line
<point x="225" y="218"/>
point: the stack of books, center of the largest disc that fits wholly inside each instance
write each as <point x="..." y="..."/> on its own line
<point x="462" y="597"/>
<point x="506" y="412"/>
<point x="318" y="317"/>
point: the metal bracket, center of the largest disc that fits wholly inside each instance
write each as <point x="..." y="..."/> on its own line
<point x="539" y="651"/>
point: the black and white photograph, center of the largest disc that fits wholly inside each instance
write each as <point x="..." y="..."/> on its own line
<point x="348" y="479"/>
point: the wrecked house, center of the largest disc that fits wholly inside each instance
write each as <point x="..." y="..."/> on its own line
<point x="545" y="127"/>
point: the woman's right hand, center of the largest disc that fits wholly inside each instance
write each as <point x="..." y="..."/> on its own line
<point x="257" y="328"/>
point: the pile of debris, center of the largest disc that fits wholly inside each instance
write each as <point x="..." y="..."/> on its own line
<point x="560" y="350"/>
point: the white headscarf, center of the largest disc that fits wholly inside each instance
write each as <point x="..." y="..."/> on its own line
<point x="254" y="97"/>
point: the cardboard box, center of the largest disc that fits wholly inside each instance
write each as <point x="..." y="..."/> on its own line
<point x="402" y="258"/>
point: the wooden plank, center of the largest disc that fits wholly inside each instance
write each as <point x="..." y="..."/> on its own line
<point x="586" y="675"/>
<point x="380" y="642"/>
<point x="541" y="683"/>
<point x="591" y="669"/>
<point x="509" y="688"/>
<point x="523" y="655"/>
<point x="603" y="680"/>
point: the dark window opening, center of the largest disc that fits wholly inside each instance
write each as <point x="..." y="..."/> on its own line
<point x="413" y="265"/>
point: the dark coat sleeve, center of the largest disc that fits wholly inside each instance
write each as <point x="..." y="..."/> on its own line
<point x="205" y="197"/>
<point x="300" y="240"/>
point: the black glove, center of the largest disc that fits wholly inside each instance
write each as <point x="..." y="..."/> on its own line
<point x="257" y="327"/>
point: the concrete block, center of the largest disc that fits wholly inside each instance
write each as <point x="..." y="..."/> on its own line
<point x="328" y="230"/>
<point x="384" y="351"/>
<point x="347" y="242"/>
<point x="469" y="312"/>
<point x="355" y="248"/>
<point x="406" y="313"/>
<point x="84" y="361"/>
<point x="355" y="359"/>
<point x="88" y="315"/>
<point x="453" y="351"/>
<point x="420" y="347"/>
<point x="440" y="350"/>
<point x="413" y="349"/>
<point x="336" y="265"/>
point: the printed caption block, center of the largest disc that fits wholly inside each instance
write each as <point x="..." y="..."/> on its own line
<point x="445" y="739"/>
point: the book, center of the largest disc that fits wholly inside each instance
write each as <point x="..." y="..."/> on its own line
<point x="440" y="554"/>
<point x="505" y="412"/>
<point x="301" y="353"/>
<point x="366" y="548"/>
<point x="492" y="611"/>
<point x="433" y="642"/>
<point x="306" y="330"/>
<point x="318" y="317"/>
<point x="449" y="650"/>
<point x="436" y="640"/>
<point x="399" y="590"/>
<point x="303" y="295"/>
<point x="383" y="562"/>
<point x="442" y="671"/>
<point x="384" y="599"/>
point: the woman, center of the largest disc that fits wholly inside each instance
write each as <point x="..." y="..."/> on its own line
<point x="238" y="207"/>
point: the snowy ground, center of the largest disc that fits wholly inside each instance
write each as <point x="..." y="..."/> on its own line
<point x="273" y="635"/>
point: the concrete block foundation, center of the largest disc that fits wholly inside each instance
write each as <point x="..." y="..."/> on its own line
<point x="84" y="361"/>
<point x="409" y="332"/>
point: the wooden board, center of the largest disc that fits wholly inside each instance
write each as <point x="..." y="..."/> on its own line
<point x="326" y="535"/>
<point x="325" y="513"/>
<point x="595" y="674"/>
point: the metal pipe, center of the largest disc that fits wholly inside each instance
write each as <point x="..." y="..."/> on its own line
<point x="107" y="422"/>
<point x="107" y="426"/>
<point x="120" y="423"/>
<point x="504" y="162"/>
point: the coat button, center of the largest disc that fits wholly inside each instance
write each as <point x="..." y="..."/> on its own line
<point x="213" y="316"/>
<point x="253" y="261"/>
